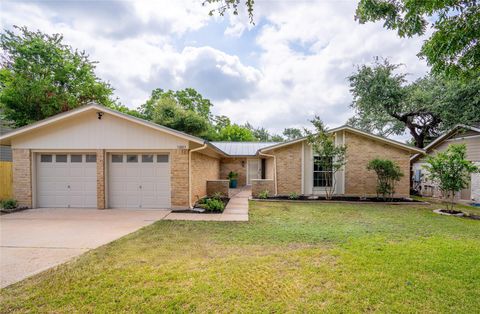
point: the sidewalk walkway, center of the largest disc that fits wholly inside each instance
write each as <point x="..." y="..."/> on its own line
<point x="236" y="210"/>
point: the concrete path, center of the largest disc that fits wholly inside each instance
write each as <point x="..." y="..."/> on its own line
<point x="37" y="239"/>
<point x="236" y="210"/>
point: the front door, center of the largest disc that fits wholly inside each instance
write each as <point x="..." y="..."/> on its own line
<point x="253" y="170"/>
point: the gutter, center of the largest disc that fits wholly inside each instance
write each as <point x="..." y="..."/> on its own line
<point x="274" y="168"/>
<point x="190" y="172"/>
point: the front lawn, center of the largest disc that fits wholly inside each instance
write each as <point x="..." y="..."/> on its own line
<point x="288" y="258"/>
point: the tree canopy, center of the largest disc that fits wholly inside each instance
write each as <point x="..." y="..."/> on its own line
<point x="386" y="104"/>
<point x="40" y="76"/>
<point x="454" y="46"/>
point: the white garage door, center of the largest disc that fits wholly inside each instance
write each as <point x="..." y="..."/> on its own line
<point x="139" y="180"/>
<point x="67" y="180"/>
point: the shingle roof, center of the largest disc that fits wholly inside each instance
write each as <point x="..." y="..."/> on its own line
<point x="241" y="148"/>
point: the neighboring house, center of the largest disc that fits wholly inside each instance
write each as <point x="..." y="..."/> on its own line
<point x="96" y="157"/>
<point x="5" y="151"/>
<point x="460" y="134"/>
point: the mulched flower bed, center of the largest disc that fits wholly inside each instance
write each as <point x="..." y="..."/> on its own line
<point x="198" y="209"/>
<point x="456" y="213"/>
<point x="339" y="198"/>
<point x="4" y="211"/>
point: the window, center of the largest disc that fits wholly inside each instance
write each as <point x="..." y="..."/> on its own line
<point x="322" y="172"/>
<point x="46" y="158"/>
<point x="75" y="158"/>
<point x="60" y="158"/>
<point x="132" y="158"/>
<point x="117" y="158"/>
<point x="91" y="158"/>
<point x="147" y="158"/>
<point x="162" y="158"/>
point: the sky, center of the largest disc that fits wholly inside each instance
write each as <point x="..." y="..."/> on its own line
<point x="292" y="64"/>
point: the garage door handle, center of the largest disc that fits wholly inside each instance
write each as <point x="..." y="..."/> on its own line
<point x="68" y="186"/>
<point x="140" y="187"/>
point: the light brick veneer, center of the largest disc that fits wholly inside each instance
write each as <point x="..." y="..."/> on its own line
<point x="179" y="177"/>
<point x="22" y="176"/>
<point x="100" y="179"/>
<point x="217" y="186"/>
<point x="203" y="168"/>
<point x="235" y="165"/>
<point x="360" y="150"/>
<point x="260" y="185"/>
<point x="289" y="169"/>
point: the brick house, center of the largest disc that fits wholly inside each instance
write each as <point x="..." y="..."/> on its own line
<point x="96" y="157"/>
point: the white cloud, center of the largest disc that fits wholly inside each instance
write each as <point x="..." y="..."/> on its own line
<point x="303" y="50"/>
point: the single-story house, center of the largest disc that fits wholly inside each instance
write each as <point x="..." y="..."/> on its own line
<point x="96" y="157"/>
<point x="460" y="134"/>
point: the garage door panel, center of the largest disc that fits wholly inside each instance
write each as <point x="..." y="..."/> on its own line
<point x="67" y="183"/>
<point x="141" y="184"/>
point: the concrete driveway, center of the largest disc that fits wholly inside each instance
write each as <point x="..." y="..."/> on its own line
<point x="34" y="240"/>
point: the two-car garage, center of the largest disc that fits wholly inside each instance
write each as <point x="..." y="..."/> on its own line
<point x="134" y="180"/>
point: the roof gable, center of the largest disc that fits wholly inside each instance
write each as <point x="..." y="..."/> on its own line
<point x="6" y="139"/>
<point x="356" y="131"/>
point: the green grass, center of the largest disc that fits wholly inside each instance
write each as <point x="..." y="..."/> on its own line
<point x="290" y="257"/>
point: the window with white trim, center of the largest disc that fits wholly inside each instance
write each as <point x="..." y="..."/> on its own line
<point x="322" y="172"/>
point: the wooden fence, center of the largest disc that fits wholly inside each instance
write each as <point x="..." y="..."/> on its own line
<point x="6" y="180"/>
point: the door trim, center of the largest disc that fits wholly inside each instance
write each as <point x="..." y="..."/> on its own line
<point x="259" y="164"/>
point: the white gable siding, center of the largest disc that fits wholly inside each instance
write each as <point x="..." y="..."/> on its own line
<point x="86" y="131"/>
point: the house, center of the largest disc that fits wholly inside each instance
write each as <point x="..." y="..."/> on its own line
<point x="460" y="134"/>
<point x="96" y="157"/>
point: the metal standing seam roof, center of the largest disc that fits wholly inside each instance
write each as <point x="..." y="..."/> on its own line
<point x="241" y="148"/>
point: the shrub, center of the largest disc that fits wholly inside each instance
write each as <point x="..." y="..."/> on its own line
<point x="263" y="194"/>
<point x="293" y="196"/>
<point x="214" y="205"/>
<point x="232" y="175"/>
<point x="388" y="173"/>
<point x="8" y="203"/>
<point x="451" y="170"/>
<point x="217" y="195"/>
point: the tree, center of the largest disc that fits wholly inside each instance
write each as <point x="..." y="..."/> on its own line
<point x="188" y="98"/>
<point x="385" y="104"/>
<point x="388" y="173"/>
<point x="292" y="133"/>
<point x="226" y="5"/>
<point x="235" y="132"/>
<point x="167" y="112"/>
<point x="454" y="46"/>
<point x="331" y="156"/>
<point x="40" y="76"/>
<point x="451" y="170"/>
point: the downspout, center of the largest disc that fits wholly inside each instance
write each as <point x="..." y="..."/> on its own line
<point x="190" y="172"/>
<point x="274" y="168"/>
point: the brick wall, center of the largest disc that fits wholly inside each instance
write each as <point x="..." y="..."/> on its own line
<point x="100" y="179"/>
<point x="204" y="168"/>
<point x="260" y="185"/>
<point x="22" y="176"/>
<point x="289" y="169"/>
<point x="217" y="186"/>
<point x="360" y="150"/>
<point x="235" y="165"/>
<point x="179" y="181"/>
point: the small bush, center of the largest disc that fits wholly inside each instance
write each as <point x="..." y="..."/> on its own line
<point x="293" y="196"/>
<point x="217" y="195"/>
<point x="214" y="205"/>
<point x="232" y="175"/>
<point x="9" y="203"/>
<point x="263" y="194"/>
<point x="388" y="173"/>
